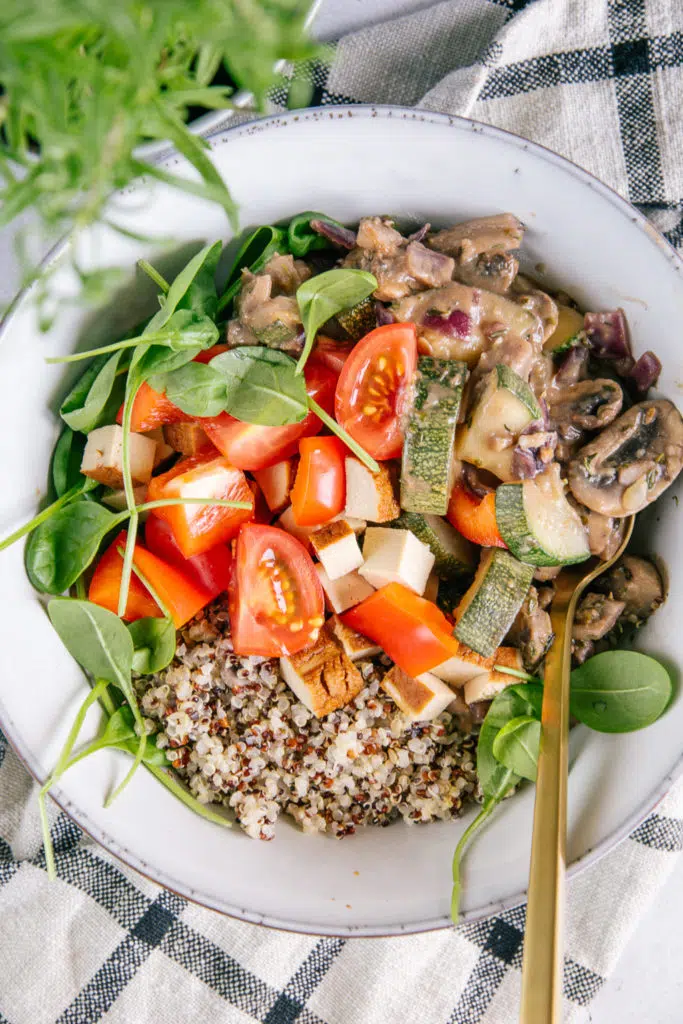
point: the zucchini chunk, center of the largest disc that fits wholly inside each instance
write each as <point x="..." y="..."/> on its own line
<point x="490" y="606"/>
<point x="505" y="407"/>
<point x="359" y="320"/>
<point x="537" y="522"/>
<point x="427" y="469"/>
<point x="454" y="555"/>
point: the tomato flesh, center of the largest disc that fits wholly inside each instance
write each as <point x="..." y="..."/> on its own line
<point x="474" y="517"/>
<point x="210" y="570"/>
<point x="276" y="601"/>
<point x="410" y="629"/>
<point x="250" y="446"/>
<point x="151" y="409"/>
<point x="373" y="388"/>
<point x="197" y="528"/>
<point x="332" y="354"/>
<point x="180" y="595"/>
<point x="319" y="492"/>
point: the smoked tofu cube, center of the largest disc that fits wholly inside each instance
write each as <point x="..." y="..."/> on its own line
<point x="357" y="525"/>
<point x="464" y="665"/>
<point x="337" y="548"/>
<point x="117" y="499"/>
<point x="163" y="449"/>
<point x="345" y="592"/>
<point x="276" y="483"/>
<point x="303" y="533"/>
<point x="186" y="438"/>
<point x="103" y="457"/>
<point x="489" y="684"/>
<point x="419" y="699"/>
<point x="355" y="644"/>
<point x="323" y="677"/>
<point x="431" y="591"/>
<point x="370" y="496"/>
<point x="395" y="556"/>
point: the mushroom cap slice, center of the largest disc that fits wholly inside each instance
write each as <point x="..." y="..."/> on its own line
<point x="630" y="463"/>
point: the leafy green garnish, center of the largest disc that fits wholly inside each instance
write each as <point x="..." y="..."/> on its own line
<point x="95" y="398"/>
<point x="155" y="644"/>
<point x="66" y="462"/>
<point x="63" y="546"/>
<point x="619" y="691"/>
<point x="301" y="237"/>
<point x="262" y="386"/>
<point x="516" y="746"/>
<point x="195" y="388"/>
<point x="324" y="295"/>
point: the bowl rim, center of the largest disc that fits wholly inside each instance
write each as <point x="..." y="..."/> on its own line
<point x="592" y="855"/>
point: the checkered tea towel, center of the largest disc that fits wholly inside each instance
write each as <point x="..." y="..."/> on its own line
<point x="602" y="82"/>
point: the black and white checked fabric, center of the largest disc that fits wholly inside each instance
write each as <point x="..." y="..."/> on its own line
<point x="600" y="81"/>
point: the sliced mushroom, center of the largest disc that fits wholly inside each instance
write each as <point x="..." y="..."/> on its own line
<point x="531" y="631"/>
<point x="604" y="533"/>
<point x="494" y="272"/>
<point x="637" y="583"/>
<point x="499" y="233"/>
<point x="631" y="462"/>
<point x="595" y="616"/>
<point x="538" y="302"/>
<point x="589" y="405"/>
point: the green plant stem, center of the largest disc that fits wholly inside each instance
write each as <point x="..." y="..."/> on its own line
<point x="42" y="516"/>
<point x="145" y="582"/>
<point x="152" y="272"/>
<point x="77" y="357"/>
<point x="81" y="593"/>
<point x="366" y="459"/>
<point x="131" y="541"/>
<point x="179" y="791"/>
<point x="474" y="826"/>
<point x="163" y="502"/>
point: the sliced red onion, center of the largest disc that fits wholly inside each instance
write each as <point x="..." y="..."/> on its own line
<point x="430" y="268"/>
<point x="343" y="237"/>
<point x="524" y="465"/>
<point x="533" y="454"/>
<point x="573" y="366"/>
<point x="419" y="236"/>
<point x="455" y="324"/>
<point x="608" y="334"/>
<point x="646" y="371"/>
<point x="384" y="315"/>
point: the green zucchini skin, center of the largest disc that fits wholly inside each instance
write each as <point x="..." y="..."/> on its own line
<point x="511" y="381"/>
<point x="492" y="601"/>
<point x="517" y="531"/>
<point x="454" y="555"/>
<point x="359" y="320"/>
<point x="427" y="464"/>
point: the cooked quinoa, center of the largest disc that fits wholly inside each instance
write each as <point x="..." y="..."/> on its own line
<point x="237" y="735"/>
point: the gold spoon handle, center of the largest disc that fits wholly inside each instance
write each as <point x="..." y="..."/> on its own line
<point x="543" y="947"/>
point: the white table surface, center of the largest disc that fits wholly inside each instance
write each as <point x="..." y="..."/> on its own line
<point x="647" y="987"/>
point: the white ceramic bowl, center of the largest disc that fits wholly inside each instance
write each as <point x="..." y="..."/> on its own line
<point x="348" y="162"/>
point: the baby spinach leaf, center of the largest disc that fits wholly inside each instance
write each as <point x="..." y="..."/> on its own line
<point x="186" y="329"/>
<point x="516" y="746"/>
<point x="63" y="547"/>
<point x="302" y="239"/>
<point x="262" y="386"/>
<point x="257" y="249"/>
<point x="96" y="397"/>
<point x="619" y="691"/>
<point x="192" y="289"/>
<point x="66" y="462"/>
<point x="154" y="641"/>
<point x="323" y="296"/>
<point x="195" y="388"/>
<point x="96" y="638"/>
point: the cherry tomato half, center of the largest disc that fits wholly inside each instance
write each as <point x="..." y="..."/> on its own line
<point x="276" y="602"/>
<point x="319" y="492"/>
<point x="373" y="387"/>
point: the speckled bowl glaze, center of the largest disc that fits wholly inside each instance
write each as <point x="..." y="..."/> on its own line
<point x="348" y="161"/>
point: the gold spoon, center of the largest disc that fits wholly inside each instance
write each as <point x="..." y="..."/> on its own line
<point x="543" y="962"/>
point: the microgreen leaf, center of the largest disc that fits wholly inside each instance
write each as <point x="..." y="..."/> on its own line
<point x="261" y="386"/>
<point x="253" y="255"/>
<point x="301" y="237"/>
<point x="96" y="397"/>
<point x="516" y="746"/>
<point x="155" y="644"/>
<point x="195" y="388"/>
<point x="323" y="296"/>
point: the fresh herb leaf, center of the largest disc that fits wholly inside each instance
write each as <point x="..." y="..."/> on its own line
<point x="301" y="237"/>
<point x="516" y="746"/>
<point x="193" y="289"/>
<point x="63" y="547"/>
<point x="195" y="388"/>
<point x="66" y="462"/>
<point x="262" y="386"/>
<point x="97" y="395"/>
<point x="619" y="691"/>
<point x="323" y="296"/>
<point x="154" y="641"/>
<point x="255" y="252"/>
